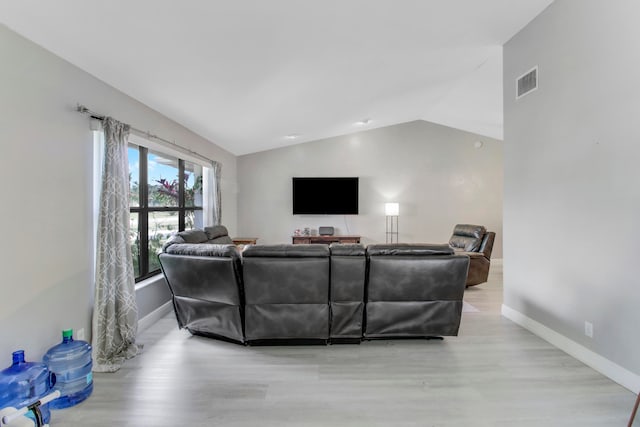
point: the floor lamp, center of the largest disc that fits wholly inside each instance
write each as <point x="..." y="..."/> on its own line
<point x="392" y="210"/>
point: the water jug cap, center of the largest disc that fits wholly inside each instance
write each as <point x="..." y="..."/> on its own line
<point x="18" y="356"/>
<point x="67" y="333"/>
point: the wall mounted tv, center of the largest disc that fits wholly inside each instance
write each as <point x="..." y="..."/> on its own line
<point x="325" y="196"/>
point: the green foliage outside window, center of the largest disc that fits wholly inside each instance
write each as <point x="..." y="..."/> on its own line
<point x="163" y="194"/>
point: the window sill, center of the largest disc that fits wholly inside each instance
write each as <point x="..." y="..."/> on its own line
<point x="149" y="281"/>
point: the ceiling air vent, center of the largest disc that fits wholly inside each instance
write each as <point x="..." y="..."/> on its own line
<point x="527" y="83"/>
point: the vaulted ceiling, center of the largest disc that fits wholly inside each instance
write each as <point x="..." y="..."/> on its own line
<point x="246" y="74"/>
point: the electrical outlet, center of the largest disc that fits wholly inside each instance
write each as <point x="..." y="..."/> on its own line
<point x="80" y="334"/>
<point x="588" y="329"/>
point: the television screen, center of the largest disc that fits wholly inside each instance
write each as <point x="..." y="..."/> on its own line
<point x="325" y="196"/>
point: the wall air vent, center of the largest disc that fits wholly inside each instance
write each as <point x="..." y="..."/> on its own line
<point x="527" y="83"/>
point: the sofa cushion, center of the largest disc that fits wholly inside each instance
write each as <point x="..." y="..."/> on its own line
<point x="467" y="244"/>
<point x="173" y="240"/>
<point x="467" y="237"/>
<point x="216" y="231"/>
<point x="217" y="235"/>
<point x="193" y="236"/>
<point x="408" y="249"/>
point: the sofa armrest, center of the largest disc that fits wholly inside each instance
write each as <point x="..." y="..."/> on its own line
<point x="487" y="244"/>
<point x="471" y="255"/>
<point x="203" y="249"/>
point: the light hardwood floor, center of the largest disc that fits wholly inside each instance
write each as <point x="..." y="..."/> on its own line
<point x="493" y="374"/>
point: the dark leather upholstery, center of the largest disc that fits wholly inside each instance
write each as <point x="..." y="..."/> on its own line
<point x="467" y="237"/>
<point x="206" y="285"/>
<point x="287" y="292"/>
<point x="314" y="292"/>
<point x="477" y="243"/>
<point x="414" y="290"/>
<point x="203" y="249"/>
<point x="348" y="275"/>
<point x="481" y="261"/>
<point x="286" y="251"/>
<point x="218" y="234"/>
<point x="409" y="249"/>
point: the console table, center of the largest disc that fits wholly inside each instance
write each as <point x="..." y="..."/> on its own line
<point x="327" y="240"/>
<point x="244" y="240"/>
<point x="241" y="242"/>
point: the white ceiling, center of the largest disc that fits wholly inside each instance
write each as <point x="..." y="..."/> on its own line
<point x="246" y="73"/>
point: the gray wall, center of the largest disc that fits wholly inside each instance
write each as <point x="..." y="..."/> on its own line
<point x="572" y="200"/>
<point x="434" y="172"/>
<point x="46" y="175"/>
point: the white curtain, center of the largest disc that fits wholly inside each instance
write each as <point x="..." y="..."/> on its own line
<point x="212" y="195"/>
<point x="115" y="313"/>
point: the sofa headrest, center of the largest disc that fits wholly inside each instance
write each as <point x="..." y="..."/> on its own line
<point x="347" y="249"/>
<point x="408" y="249"/>
<point x="469" y="230"/>
<point x="217" y="235"/>
<point x="173" y="240"/>
<point x="203" y="249"/>
<point x="193" y="236"/>
<point x="286" y="251"/>
<point x="467" y="237"/>
<point x="216" y="231"/>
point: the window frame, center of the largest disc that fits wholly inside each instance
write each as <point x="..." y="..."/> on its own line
<point x="143" y="209"/>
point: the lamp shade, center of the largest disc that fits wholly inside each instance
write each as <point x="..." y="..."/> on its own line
<point x="392" y="209"/>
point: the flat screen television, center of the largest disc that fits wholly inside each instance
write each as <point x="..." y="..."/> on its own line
<point x="325" y="196"/>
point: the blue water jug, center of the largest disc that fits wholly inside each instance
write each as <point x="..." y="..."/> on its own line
<point x="23" y="383"/>
<point x="70" y="364"/>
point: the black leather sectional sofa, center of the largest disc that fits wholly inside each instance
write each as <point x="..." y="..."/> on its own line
<point x="270" y="293"/>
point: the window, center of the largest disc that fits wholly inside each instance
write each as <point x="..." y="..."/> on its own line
<point x="165" y="196"/>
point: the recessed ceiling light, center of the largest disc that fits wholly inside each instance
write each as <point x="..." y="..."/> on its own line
<point x="478" y="144"/>
<point x="363" y="122"/>
<point x="292" y="136"/>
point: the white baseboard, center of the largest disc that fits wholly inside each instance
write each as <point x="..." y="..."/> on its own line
<point x="154" y="316"/>
<point x="601" y="364"/>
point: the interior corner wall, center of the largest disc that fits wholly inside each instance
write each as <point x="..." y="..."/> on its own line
<point x="571" y="199"/>
<point x="47" y="174"/>
<point x="434" y="172"/>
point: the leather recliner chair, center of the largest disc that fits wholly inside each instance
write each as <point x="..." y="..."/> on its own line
<point x="476" y="242"/>
<point x="287" y="292"/>
<point x="205" y="281"/>
<point x="414" y="290"/>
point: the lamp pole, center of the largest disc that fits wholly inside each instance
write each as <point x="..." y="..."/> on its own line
<point x="392" y="211"/>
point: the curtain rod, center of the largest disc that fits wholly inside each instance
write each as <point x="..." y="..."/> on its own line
<point x="84" y="110"/>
